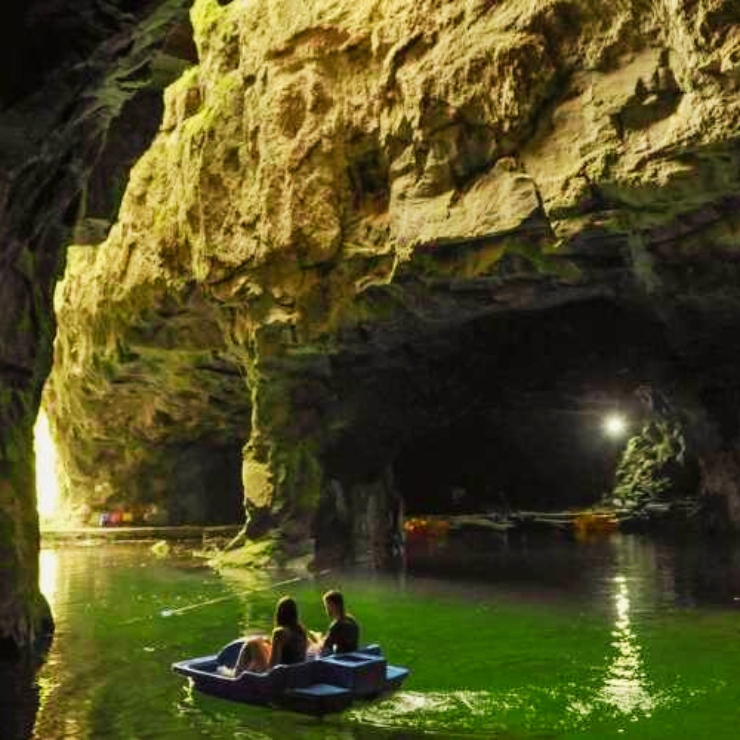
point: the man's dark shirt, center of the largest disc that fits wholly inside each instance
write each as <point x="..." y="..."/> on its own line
<point x="343" y="636"/>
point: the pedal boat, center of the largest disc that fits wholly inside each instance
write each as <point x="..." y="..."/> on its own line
<point x="318" y="686"/>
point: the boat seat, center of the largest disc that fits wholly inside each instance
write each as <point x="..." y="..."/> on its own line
<point x="362" y="673"/>
<point x="229" y="654"/>
<point x="395" y="675"/>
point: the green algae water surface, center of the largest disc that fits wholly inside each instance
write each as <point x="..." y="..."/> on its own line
<point x="626" y="638"/>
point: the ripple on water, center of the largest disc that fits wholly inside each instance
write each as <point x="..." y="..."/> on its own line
<point x="480" y="712"/>
<point x="529" y="708"/>
<point x="437" y="711"/>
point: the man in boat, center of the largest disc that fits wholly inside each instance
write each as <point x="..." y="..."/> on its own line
<point x="344" y="632"/>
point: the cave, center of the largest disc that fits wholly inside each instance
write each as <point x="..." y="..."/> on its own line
<point x="501" y="414"/>
<point x="206" y="485"/>
<point x="406" y="295"/>
<point x="323" y="275"/>
<point x="531" y="395"/>
<point x="508" y="409"/>
<point x="198" y="484"/>
<point x="503" y="462"/>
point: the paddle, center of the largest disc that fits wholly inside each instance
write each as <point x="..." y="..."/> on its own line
<point x="192" y="607"/>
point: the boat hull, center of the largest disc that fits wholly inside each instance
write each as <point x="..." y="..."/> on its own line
<point x="320" y="686"/>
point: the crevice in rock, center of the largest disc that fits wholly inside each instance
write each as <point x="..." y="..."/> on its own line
<point x="128" y="136"/>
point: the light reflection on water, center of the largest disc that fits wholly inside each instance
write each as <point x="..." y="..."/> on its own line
<point x="579" y="641"/>
<point x="625" y="686"/>
<point x="48" y="575"/>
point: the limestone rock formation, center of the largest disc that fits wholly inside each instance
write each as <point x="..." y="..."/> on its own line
<point x="66" y="77"/>
<point x="360" y="220"/>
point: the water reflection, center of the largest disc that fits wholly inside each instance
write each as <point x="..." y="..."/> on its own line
<point x="49" y="575"/>
<point x="625" y="687"/>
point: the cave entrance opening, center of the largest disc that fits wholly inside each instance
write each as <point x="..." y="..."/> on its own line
<point x="518" y="411"/>
<point x="48" y="488"/>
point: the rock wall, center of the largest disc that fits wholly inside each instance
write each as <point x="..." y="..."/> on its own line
<point x="721" y="487"/>
<point x="344" y="196"/>
<point x="65" y="78"/>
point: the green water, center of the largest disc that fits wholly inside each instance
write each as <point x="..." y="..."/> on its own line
<point x="625" y="638"/>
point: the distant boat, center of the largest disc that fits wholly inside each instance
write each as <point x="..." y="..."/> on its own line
<point x="317" y="686"/>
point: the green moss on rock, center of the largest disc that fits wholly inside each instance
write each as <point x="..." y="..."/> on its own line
<point x="647" y="468"/>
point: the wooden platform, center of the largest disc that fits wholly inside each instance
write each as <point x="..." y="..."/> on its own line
<point x="131" y="534"/>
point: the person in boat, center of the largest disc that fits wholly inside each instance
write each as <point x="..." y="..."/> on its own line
<point x="288" y="643"/>
<point x="343" y="635"/>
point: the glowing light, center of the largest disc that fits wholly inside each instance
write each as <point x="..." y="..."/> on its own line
<point x="47" y="485"/>
<point x="615" y="425"/>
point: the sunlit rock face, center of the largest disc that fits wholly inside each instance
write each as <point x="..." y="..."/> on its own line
<point x="362" y="224"/>
<point x="66" y="75"/>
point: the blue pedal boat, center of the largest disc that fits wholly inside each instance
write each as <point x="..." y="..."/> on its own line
<point x="318" y="686"/>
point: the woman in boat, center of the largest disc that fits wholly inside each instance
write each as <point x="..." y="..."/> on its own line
<point x="287" y="644"/>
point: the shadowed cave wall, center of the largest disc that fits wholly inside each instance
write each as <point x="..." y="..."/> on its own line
<point x="65" y="77"/>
